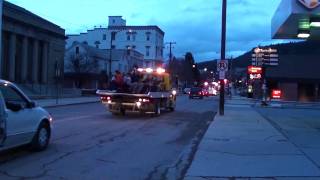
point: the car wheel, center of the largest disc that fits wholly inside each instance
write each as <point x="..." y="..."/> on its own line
<point x="123" y="112"/>
<point x="41" y="139"/>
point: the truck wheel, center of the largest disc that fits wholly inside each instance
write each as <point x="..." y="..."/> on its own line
<point x="123" y="112"/>
<point x="157" y="109"/>
<point x="41" y="139"/>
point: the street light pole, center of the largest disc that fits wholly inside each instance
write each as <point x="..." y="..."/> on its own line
<point x="223" y="54"/>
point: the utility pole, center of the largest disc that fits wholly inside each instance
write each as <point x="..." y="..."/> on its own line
<point x="223" y="54"/>
<point x="113" y="34"/>
<point x="170" y="51"/>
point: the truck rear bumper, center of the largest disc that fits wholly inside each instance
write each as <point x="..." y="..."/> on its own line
<point x="129" y="107"/>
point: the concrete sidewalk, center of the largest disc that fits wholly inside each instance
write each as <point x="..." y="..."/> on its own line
<point x="242" y="144"/>
<point x="66" y="101"/>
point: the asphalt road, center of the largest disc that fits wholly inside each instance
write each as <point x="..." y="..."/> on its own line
<point x="89" y="143"/>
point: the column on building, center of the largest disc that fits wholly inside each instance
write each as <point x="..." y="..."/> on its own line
<point x="44" y="68"/>
<point x="35" y="61"/>
<point x="12" y="56"/>
<point x="24" y="60"/>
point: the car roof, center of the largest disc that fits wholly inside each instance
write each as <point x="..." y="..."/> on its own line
<point x="5" y="82"/>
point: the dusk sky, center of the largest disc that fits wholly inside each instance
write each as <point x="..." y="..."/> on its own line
<point x="194" y="24"/>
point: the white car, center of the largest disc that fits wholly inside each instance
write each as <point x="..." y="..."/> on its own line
<point x="21" y="121"/>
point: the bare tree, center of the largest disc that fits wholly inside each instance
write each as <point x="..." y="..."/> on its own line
<point x="82" y="63"/>
<point x="80" y="66"/>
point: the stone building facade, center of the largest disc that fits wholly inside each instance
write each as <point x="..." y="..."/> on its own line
<point x="32" y="50"/>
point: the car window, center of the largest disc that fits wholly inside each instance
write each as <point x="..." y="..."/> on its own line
<point x="12" y="96"/>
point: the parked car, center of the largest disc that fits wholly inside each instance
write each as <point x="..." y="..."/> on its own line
<point x="196" y="92"/>
<point x="21" y="120"/>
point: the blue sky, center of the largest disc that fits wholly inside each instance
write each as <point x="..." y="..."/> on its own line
<point x="194" y="24"/>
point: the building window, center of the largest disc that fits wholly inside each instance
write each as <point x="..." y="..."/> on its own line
<point x="97" y="43"/>
<point x="148" y="36"/>
<point x="133" y="47"/>
<point x="113" y="47"/>
<point x="147" y="50"/>
<point x="77" y="50"/>
<point x="128" y="37"/>
<point x="133" y="37"/>
<point x="104" y="37"/>
<point x="113" y="36"/>
<point x="113" y="21"/>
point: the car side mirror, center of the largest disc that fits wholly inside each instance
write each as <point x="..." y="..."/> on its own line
<point x="31" y="105"/>
<point x="14" y="107"/>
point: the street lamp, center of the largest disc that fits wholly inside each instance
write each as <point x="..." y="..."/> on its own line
<point x="205" y="69"/>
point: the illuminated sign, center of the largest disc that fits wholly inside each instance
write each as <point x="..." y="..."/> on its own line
<point x="276" y="94"/>
<point x="310" y="4"/>
<point x="255" y="76"/>
<point x="254" y="70"/>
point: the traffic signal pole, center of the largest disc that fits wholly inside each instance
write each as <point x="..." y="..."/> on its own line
<point x="223" y="54"/>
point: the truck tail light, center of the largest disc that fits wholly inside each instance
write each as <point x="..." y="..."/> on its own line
<point x="106" y="98"/>
<point x="145" y="100"/>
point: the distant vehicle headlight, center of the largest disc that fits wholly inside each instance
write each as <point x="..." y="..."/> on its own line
<point x="174" y="92"/>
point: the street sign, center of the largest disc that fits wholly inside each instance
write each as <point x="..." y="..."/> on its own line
<point x="222" y="75"/>
<point x="222" y="65"/>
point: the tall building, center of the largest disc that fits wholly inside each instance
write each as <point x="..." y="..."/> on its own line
<point x="32" y="50"/>
<point x="147" y="40"/>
